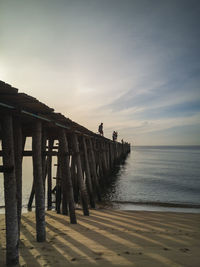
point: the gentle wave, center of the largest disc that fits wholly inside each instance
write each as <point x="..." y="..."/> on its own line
<point x="164" y="176"/>
<point x="159" y="204"/>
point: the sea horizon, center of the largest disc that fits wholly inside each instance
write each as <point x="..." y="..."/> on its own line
<point x="170" y="171"/>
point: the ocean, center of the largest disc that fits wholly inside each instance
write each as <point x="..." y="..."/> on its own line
<point x="163" y="178"/>
<point x="160" y="178"/>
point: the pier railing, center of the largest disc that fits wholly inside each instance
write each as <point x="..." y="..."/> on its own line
<point x="84" y="161"/>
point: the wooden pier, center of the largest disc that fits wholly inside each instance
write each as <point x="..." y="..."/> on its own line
<point x="84" y="162"/>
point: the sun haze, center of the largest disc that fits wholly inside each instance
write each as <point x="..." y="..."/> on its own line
<point x="131" y="64"/>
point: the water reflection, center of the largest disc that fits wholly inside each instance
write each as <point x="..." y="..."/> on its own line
<point x="112" y="180"/>
<point x="156" y="177"/>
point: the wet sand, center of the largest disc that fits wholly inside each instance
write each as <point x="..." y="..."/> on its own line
<point x="110" y="238"/>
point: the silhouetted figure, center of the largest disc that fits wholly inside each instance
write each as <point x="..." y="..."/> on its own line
<point x="114" y="136"/>
<point x="101" y="129"/>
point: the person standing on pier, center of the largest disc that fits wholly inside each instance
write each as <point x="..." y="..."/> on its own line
<point x="114" y="136"/>
<point x="101" y="129"/>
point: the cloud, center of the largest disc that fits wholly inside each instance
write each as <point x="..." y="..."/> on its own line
<point x="132" y="64"/>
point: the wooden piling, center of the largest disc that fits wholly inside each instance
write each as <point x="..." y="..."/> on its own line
<point x="49" y="174"/>
<point x="67" y="189"/>
<point x="58" y="186"/>
<point x="38" y="181"/>
<point x="12" y="235"/>
<point x="88" y="174"/>
<point x="74" y="179"/>
<point x="111" y="155"/>
<point x="93" y="170"/>
<point x="103" y="159"/>
<point x="19" y="143"/>
<point x="44" y="170"/>
<point x="98" y="159"/>
<point x="30" y="201"/>
<point x="44" y="159"/>
<point x="107" y="148"/>
<point x="82" y="186"/>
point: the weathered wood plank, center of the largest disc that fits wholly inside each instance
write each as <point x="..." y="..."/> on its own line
<point x="38" y="182"/>
<point x="82" y="186"/>
<point x="49" y="175"/>
<point x="67" y="189"/>
<point x="12" y="235"/>
<point x="88" y="174"/>
<point x="93" y="169"/>
<point x="19" y="143"/>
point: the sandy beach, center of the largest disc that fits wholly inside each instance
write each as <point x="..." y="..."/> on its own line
<point x="110" y="238"/>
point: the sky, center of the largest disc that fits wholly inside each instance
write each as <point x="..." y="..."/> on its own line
<point x="132" y="64"/>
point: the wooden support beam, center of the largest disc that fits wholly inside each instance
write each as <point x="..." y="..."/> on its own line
<point x="38" y="182"/>
<point x="44" y="172"/>
<point x="58" y="186"/>
<point x="74" y="179"/>
<point x="30" y="201"/>
<point x="82" y="186"/>
<point x="67" y="189"/>
<point x="93" y="169"/>
<point x="52" y="147"/>
<point x="115" y="152"/>
<point x="12" y="235"/>
<point x="44" y="159"/>
<point x="104" y="161"/>
<point x="111" y="155"/>
<point x="98" y="162"/>
<point x="63" y="177"/>
<point x="49" y="175"/>
<point x="88" y="174"/>
<point x="29" y="153"/>
<point x="19" y="143"/>
<point x="6" y="169"/>
<point x="108" y="155"/>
